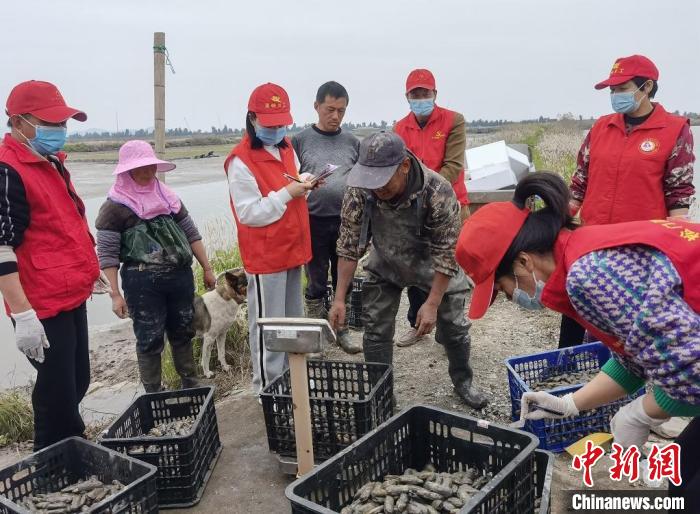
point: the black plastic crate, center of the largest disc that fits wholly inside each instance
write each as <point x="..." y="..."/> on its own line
<point x="557" y="434"/>
<point x="184" y="462"/>
<point x="355" y="314"/>
<point x="64" y="463"/>
<point x="544" y="469"/>
<point x="418" y="436"/>
<point x="348" y="399"/>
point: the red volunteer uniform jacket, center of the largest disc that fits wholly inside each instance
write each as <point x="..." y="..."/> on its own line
<point x="626" y="171"/>
<point x="56" y="259"/>
<point x="428" y="143"/>
<point x="286" y="243"/>
<point x="678" y="240"/>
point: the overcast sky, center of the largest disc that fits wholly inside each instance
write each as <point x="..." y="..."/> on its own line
<point x="492" y="59"/>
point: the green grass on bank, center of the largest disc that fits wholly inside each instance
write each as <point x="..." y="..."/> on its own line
<point x="16" y="418"/>
<point x="532" y="138"/>
<point x="237" y="351"/>
<point x="180" y="152"/>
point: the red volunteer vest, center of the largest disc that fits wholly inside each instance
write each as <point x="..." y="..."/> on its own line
<point x="678" y="240"/>
<point x="286" y="243"/>
<point x="56" y="260"/>
<point x="626" y="171"/>
<point x="428" y="143"/>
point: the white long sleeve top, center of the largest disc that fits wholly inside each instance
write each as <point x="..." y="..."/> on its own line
<point x="252" y="208"/>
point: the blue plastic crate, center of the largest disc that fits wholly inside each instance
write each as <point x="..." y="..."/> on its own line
<point x="556" y="434"/>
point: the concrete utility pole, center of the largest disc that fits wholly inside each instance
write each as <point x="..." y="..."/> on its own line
<point x="159" y="95"/>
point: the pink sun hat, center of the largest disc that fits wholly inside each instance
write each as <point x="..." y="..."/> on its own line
<point x="135" y="154"/>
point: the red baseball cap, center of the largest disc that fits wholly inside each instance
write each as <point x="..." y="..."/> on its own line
<point x="485" y="238"/>
<point x="270" y="103"/>
<point x="41" y="99"/>
<point x="626" y="68"/>
<point x="420" y="78"/>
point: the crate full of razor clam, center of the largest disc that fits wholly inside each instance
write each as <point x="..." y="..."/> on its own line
<point x="426" y="460"/>
<point x="158" y="454"/>
<point x="560" y="372"/>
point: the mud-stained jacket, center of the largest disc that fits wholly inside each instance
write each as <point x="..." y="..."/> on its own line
<point x="411" y="240"/>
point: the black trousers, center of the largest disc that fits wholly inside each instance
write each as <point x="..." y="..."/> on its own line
<point x="62" y="379"/>
<point x="324" y="236"/>
<point x="570" y="333"/>
<point x="689" y="441"/>
<point x="416" y="299"/>
<point x="160" y="302"/>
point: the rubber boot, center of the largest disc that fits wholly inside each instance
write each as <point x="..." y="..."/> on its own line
<point x="185" y="367"/>
<point x="315" y="309"/>
<point x="378" y="351"/>
<point x="383" y="353"/>
<point x="470" y="394"/>
<point x="346" y="342"/>
<point x="149" y="371"/>
<point x="461" y="374"/>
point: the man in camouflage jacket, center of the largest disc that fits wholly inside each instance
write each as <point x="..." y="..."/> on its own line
<point x="413" y="216"/>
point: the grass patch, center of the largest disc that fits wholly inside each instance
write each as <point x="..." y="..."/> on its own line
<point x="532" y="139"/>
<point x="77" y="153"/>
<point x="237" y="350"/>
<point x="16" y="418"/>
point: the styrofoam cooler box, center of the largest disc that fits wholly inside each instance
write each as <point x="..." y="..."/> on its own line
<point x="495" y="166"/>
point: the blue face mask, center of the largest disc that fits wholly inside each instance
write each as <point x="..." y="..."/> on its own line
<point x="422" y="107"/>
<point x="47" y="140"/>
<point x="270" y="136"/>
<point x="625" y="103"/>
<point x="524" y="300"/>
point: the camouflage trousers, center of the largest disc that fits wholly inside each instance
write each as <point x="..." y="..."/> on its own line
<point x="380" y="302"/>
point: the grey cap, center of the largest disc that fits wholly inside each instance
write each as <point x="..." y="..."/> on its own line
<point x="380" y="155"/>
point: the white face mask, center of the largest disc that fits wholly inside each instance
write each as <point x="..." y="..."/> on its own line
<point x="524" y="300"/>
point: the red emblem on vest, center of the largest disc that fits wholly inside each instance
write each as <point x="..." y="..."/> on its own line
<point x="649" y="146"/>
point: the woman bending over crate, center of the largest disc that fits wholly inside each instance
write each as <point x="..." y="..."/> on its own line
<point x="633" y="285"/>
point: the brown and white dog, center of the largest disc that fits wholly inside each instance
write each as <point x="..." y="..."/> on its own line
<point x="215" y="312"/>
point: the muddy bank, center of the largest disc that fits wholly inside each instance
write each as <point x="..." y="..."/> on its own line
<point x="420" y="376"/>
<point x="93" y="179"/>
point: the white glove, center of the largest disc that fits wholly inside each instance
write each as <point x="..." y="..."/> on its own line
<point x="29" y="335"/>
<point x="532" y="405"/>
<point x="631" y="425"/>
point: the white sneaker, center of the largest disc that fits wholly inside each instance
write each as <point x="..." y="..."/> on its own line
<point x="409" y="338"/>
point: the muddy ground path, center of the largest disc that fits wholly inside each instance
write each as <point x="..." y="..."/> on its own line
<point x="420" y="377"/>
